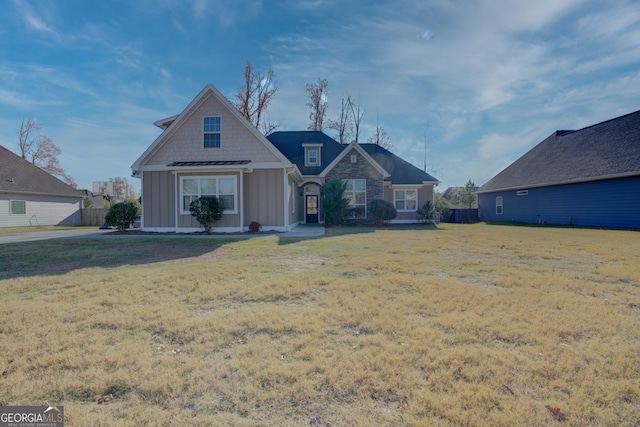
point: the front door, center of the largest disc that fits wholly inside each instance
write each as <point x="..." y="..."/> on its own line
<point x="312" y="209"/>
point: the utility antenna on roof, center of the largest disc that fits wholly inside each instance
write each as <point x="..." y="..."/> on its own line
<point x="425" y="150"/>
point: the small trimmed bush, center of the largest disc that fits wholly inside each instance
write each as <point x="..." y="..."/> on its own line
<point x="426" y="212"/>
<point x="255" y="227"/>
<point x="122" y="215"/>
<point x="382" y="211"/>
<point x="207" y="210"/>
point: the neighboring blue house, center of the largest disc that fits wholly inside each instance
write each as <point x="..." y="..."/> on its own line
<point x="587" y="177"/>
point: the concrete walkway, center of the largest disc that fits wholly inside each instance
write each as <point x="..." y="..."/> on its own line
<point x="301" y="231"/>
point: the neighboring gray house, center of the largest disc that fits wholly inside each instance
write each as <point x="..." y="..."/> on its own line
<point x="587" y="177"/>
<point x="30" y="196"/>
<point x="211" y="149"/>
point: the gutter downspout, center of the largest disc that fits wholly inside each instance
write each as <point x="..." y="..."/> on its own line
<point x="177" y="198"/>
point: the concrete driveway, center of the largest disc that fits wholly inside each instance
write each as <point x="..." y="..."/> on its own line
<point x="32" y="236"/>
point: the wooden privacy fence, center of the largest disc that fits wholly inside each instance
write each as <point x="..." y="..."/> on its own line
<point x="93" y="216"/>
<point x="464" y="216"/>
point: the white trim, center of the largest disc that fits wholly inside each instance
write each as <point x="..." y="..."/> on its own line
<point x="217" y="178"/>
<point x="404" y="221"/>
<point x="219" y="132"/>
<point x="404" y="186"/>
<point x="353" y="192"/>
<point x="405" y="199"/>
<point x="11" y="207"/>
<point x="285" y="179"/>
<point x="317" y="147"/>
<point x="142" y="202"/>
<point x="501" y="205"/>
<point x="355" y="146"/>
<point x="241" y="197"/>
<point x="177" y="201"/>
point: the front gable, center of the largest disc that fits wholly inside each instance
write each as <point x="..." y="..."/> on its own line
<point x="184" y="139"/>
<point x="356" y="161"/>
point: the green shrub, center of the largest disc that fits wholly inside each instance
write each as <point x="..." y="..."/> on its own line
<point x="122" y="215"/>
<point x="334" y="205"/>
<point x="382" y="211"/>
<point x="426" y="211"/>
<point x="207" y="210"/>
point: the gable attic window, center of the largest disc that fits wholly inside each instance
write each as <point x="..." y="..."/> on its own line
<point x="211" y="131"/>
<point x="18" y="207"/>
<point x="312" y="154"/>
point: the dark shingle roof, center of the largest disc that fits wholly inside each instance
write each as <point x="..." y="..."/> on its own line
<point x="19" y="176"/>
<point x="290" y="144"/>
<point x="401" y="171"/>
<point x="600" y="151"/>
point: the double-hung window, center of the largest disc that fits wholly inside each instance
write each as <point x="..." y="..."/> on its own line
<point x="405" y="200"/>
<point x="312" y="153"/>
<point x="499" y="205"/>
<point x="312" y="157"/>
<point x="356" y="193"/>
<point x="18" y="207"/>
<point x="211" y="131"/>
<point x="222" y="187"/>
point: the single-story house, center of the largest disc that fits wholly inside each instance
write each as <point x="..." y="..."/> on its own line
<point x="587" y="177"/>
<point x="211" y="149"/>
<point x="30" y="196"/>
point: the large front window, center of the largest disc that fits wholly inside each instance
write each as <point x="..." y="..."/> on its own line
<point x="222" y="187"/>
<point x="211" y="132"/>
<point x="405" y="200"/>
<point x="356" y="193"/>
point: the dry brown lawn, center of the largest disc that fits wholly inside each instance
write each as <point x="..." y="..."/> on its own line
<point x="465" y="325"/>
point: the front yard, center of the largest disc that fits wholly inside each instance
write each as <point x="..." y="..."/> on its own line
<point x="461" y="325"/>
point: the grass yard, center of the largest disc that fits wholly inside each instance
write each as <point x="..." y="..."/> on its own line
<point x="465" y="325"/>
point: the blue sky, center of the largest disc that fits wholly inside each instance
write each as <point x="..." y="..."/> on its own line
<point x="495" y="78"/>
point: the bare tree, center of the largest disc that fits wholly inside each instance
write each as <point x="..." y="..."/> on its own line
<point x="356" y="113"/>
<point x="343" y="126"/>
<point x="122" y="188"/>
<point x="318" y="103"/>
<point x="41" y="151"/>
<point x="381" y="138"/>
<point x="254" y="97"/>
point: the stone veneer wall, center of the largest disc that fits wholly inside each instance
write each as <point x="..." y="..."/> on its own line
<point x="361" y="169"/>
